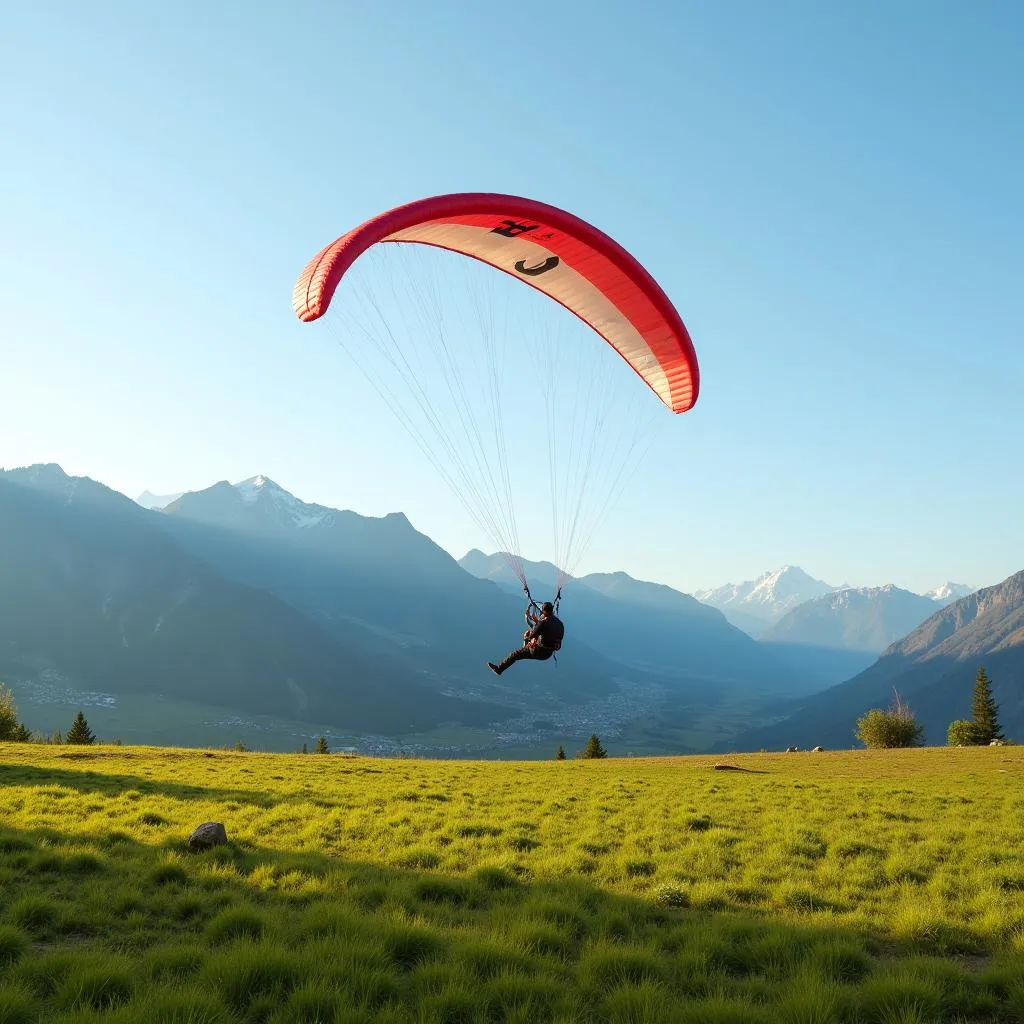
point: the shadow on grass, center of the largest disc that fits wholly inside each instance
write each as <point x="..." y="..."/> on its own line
<point x="112" y="784"/>
<point x="103" y="923"/>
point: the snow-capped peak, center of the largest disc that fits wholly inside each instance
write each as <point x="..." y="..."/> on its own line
<point x="768" y="596"/>
<point x="251" y="489"/>
<point x="289" y="509"/>
<point x="847" y="596"/>
<point x="950" y="592"/>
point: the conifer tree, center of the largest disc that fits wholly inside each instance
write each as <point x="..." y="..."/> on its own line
<point x="560" y="756"/>
<point x="80" y="731"/>
<point x="321" y="746"/>
<point x="8" y="714"/>
<point x="594" y="748"/>
<point x="984" y="710"/>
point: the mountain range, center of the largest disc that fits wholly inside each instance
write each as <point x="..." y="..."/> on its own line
<point x="95" y="590"/>
<point x="245" y="597"/>
<point x="933" y="669"/>
<point x="757" y="605"/>
<point x="655" y="627"/>
<point x="865" y="619"/>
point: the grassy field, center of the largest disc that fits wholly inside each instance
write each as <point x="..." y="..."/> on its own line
<point x="852" y="886"/>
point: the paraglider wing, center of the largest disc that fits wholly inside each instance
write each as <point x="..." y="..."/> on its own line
<point x="553" y="251"/>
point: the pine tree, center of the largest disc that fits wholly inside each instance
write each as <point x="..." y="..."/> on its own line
<point x="594" y="748"/>
<point x="80" y="731"/>
<point x="8" y="714"/>
<point x="984" y="710"/>
<point x="305" y="748"/>
<point x="560" y="756"/>
<point x="321" y="746"/>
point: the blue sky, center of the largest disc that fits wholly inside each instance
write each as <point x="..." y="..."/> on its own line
<point x="829" y="192"/>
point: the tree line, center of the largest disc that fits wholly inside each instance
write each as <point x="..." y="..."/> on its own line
<point x="14" y="731"/>
<point x="897" y="727"/>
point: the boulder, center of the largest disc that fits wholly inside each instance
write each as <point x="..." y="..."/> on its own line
<point x="208" y="835"/>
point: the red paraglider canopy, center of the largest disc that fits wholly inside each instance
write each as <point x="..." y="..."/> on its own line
<point x="569" y="260"/>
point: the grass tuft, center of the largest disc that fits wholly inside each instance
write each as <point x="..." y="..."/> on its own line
<point x="173" y="963"/>
<point x="168" y="874"/>
<point x="17" y="1005"/>
<point x="99" y="987"/>
<point x="253" y="973"/>
<point x="408" y="947"/>
<point x="13" y="944"/>
<point x="236" y="923"/>
<point x="605" y="966"/>
<point x="495" y="879"/>
<point x="34" y="913"/>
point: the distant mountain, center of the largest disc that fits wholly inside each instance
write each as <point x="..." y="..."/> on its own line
<point x="374" y="584"/>
<point x="246" y="597"/>
<point x="933" y="669"/>
<point x="498" y="569"/>
<point x="93" y="588"/>
<point x="652" y="625"/>
<point x="756" y="604"/>
<point x="156" y="501"/>
<point x="950" y="592"/>
<point x="855" y="619"/>
<point x="382" y="576"/>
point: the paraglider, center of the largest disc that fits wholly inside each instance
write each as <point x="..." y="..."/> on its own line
<point x="569" y="260"/>
<point x="404" y="319"/>
<point x="542" y="639"/>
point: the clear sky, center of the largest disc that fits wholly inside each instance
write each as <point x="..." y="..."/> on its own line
<point x="831" y="193"/>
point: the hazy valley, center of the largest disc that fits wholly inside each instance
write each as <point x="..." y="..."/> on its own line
<point x="240" y="612"/>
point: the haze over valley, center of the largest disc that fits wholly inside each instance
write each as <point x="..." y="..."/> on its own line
<point x="243" y="613"/>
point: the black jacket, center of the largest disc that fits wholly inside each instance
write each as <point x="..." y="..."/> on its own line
<point x="548" y="633"/>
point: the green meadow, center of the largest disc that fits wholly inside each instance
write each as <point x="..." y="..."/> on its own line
<point x="858" y="886"/>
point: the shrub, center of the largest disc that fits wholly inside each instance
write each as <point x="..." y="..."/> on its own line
<point x="962" y="733"/>
<point x="893" y="728"/>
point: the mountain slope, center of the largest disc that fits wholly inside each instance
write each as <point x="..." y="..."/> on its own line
<point x="91" y="586"/>
<point x="933" y="668"/>
<point x="653" y="625"/>
<point x="375" y="584"/>
<point x="345" y="569"/>
<point x="856" y="619"/>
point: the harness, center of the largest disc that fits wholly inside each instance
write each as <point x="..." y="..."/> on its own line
<point x="556" y="645"/>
